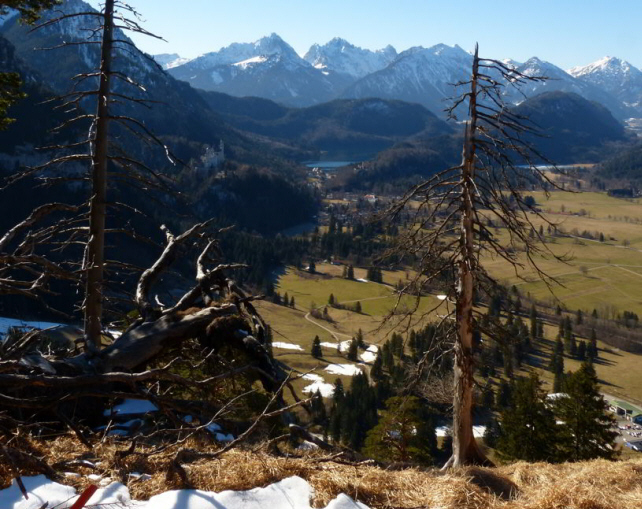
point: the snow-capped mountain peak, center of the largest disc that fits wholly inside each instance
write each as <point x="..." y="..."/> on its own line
<point x="338" y="55"/>
<point x="170" y="60"/>
<point x="612" y="66"/>
<point x="614" y="75"/>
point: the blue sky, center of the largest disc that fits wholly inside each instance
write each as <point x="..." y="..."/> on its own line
<point x="564" y="32"/>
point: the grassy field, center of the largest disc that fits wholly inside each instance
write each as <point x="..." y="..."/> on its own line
<point x="597" y="274"/>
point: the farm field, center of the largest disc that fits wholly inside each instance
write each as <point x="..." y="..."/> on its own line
<point x="597" y="274"/>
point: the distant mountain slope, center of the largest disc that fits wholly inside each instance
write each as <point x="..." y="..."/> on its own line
<point x="343" y="126"/>
<point x="267" y="68"/>
<point x="420" y="75"/>
<point x="560" y="80"/>
<point x="575" y="129"/>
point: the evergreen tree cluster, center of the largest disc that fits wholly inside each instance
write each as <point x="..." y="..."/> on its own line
<point x="572" y="427"/>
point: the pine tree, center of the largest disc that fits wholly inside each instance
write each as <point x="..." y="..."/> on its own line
<point x="353" y="351"/>
<point x="396" y="437"/>
<point x="528" y="426"/>
<point x="491" y="434"/>
<point x="350" y="272"/>
<point x="331" y="300"/>
<point x="360" y="341"/>
<point x="317" y="406"/>
<point x="533" y="317"/>
<point x="503" y="396"/>
<point x="581" y="351"/>
<point x="292" y="305"/>
<point x="587" y="432"/>
<point x="312" y="267"/>
<point x="317" y="351"/>
<point x="376" y="372"/>
<point x="357" y="307"/>
<point x="579" y="317"/>
<point x="591" y="350"/>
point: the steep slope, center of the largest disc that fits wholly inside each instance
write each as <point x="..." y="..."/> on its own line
<point x="618" y="77"/>
<point x="355" y="126"/>
<point x="575" y="130"/>
<point x="625" y="165"/>
<point x="420" y="75"/>
<point x="268" y="68"/>
<point x="191" y="117"/>
<point x="338" y="55"/>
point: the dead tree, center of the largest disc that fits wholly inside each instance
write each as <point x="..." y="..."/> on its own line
<point x="450" y="233"/>
<point x="104" y="89"/>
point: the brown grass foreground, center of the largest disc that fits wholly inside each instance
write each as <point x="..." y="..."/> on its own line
<point x="589" y="485"/>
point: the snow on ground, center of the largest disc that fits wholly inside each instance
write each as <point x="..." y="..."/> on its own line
<point x="344" y="369"/>
<point x="7" y="323"/>
<point x="362" y="280"/>
<point x="290" y="493"/>
<point x="133" y="407"/>
<point x="344" y="346"/>
<point x="319" y="384"/>
<point x="478" y="431"/>
<point x="286" y="346"/>
<point x="370" y="354"/>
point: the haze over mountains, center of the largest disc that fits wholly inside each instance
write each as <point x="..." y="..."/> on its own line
<point x="270" y="68"/>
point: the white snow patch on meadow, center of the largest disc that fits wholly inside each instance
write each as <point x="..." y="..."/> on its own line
<point x="286" y="346"/>
<point x="344" y="369"/>
<point x="290" y="493"/>
<point x="370" y="354"/>
<point x="344" y="346"/>
<point x="319" y="384"/>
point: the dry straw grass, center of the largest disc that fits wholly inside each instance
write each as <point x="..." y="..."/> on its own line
<point x="590" y="485"/>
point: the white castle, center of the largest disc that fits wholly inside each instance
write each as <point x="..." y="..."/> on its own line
<point x="211" y="159"/>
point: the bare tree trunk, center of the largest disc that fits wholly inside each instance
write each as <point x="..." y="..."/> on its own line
<point x="95" y="256"/>
<point x="465" y="448"/>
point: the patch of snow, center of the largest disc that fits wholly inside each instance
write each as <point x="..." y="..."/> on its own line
<point x="140" y="477"/>
<point x="362" y="280"/>
<point x="326" y="389"/>
<point x="7" y="323"/>
<point x="133" y="407"/>
<point x="307" y="446"/>
<point x="213" y="428"/>
<point x="370" y="354"/>
<point x="41" y="490"/>
<point x="344" y="346"/>
<point x="253" y="60"/>
<point x="344" y="369"/>
<point x="224" y="438"/>
<point x="286" y="346"/>
<point x="217" y="79"/>
<point x="478" y="431"/>
<point x="290" y="493"/>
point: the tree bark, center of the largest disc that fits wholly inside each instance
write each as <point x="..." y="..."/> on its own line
<point x="95" y="256"/>
<point x="465" y="448"/>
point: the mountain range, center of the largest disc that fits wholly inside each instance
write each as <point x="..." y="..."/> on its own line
<point x="270" y="68"/>
<point x="355" y="113"/>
